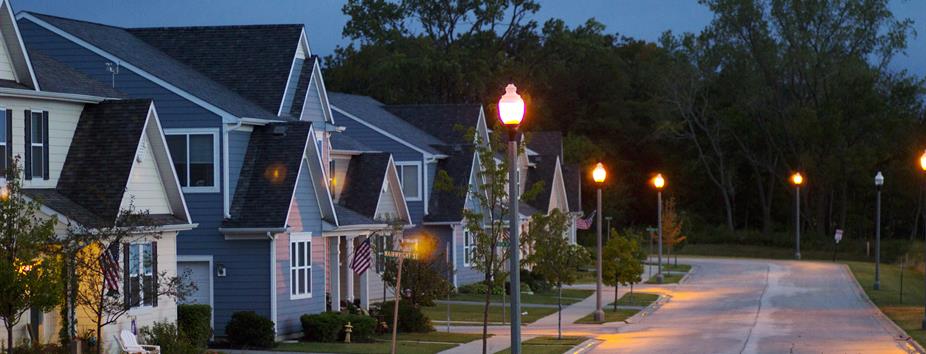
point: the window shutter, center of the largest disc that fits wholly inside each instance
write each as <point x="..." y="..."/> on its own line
<point x="9" y="139"/>
<point x="27" y="166"/>
<point x="45" y="172"/>
<point x="126" y="287"/>
<point x="154" y="273"/>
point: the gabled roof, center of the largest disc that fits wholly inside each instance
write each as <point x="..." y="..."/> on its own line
<point x="544" y="172"/>
<point x="572" y="178"/>
<point x="374" y="113"/>
<point x="548" y="143"/>
<point x="448" y="122"/>
<point x="348" y="217"/>
<point x="16" y="49"/>
<point x="268" y="175"/>
<point x="88" y="192"/>
<point x="363" y="183"/>
<point x="344" y="141"/>
<point x="447" y="205"/>
<point x="252" y="60"/>
<point x="122" y="44"/>
<point x="302" y="86"/>
<point x="56" y="77"/>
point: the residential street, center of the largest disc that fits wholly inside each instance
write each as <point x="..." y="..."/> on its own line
<point x="739" y="306"/>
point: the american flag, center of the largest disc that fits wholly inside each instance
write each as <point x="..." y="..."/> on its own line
<point x="110" y="271"/>
<point x="585" y="224"/>
<point x="362" y="257"/>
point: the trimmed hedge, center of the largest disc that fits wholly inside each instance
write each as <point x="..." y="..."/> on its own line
<point x="194" y="322"/>
<point x="247" y="329"/>
<point x="411" y="319"/>
<point x="329" y="327"/>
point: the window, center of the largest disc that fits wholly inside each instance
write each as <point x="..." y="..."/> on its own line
<point x="382" y="244"/>
<point x="410" y="176"/>
<point x="4" y="128"/>
<point x="141" y="282"/>
<point x="300" y="265"/>
<point x="195" y="155"/>
<point x="36" y="144"/>
<point x="469" y="248"/>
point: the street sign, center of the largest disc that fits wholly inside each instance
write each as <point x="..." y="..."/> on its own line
<point x="838" y="236"/>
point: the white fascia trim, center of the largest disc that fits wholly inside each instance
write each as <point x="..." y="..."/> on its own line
<point x="387" y="134"/>
<point x="323" y="92"/>
<point x="57" y="96"/>
<point x="226" y="116"/>
<point x="399" y="198"/>
<point x="22" y="45"/>
<point x="292" y="66"/>
<point x="152" y="112"/>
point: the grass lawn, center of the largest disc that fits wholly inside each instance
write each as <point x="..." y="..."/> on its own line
<point x="907" y="314"/>
<point x="473" y="313"/>
<point x="415" y="343"/>
<point x="666" y="279"/>
<point x="638" y="299"/>
<point x="676" y="268"/>
<point x="570" y="296"/>
<point x="548" y="345"/>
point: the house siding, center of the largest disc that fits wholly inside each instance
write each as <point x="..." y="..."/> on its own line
<point x="465" y="274"/>
<point x="304" y="216"/>
<point x="6" y="64"/>
<point x="313" y="110"/>
<point x="62" y="122"/>
<point x="145" y="190"/>
<point x="237" y="148"/>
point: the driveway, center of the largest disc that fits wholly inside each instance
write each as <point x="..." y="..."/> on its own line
<point x="760" y="306"/>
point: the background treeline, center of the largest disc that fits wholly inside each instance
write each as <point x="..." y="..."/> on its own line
<point x="727" y="114"/>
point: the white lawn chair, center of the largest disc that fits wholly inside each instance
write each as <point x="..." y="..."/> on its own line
<point x="129" y="344"/>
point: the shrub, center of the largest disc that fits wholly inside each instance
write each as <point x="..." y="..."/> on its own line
<point x="194" y="323"/>
<point x="477" y="288"/>
<point x="536" y="282"/>
<point x="323" y="327"/>
<point x="27" y="348"/>
<point x="364" y="327"/>
<point x="411" y="319"/>
<point x="167" y="336"/>
<point x="247" y="329"/>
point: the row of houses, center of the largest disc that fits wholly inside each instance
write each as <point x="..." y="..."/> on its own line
<point x="261" y="181"/>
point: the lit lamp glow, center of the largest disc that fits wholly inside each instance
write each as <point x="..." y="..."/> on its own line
<point x="659" y="182"/>
<point x="797" y="179"/>
<point x="511" y="107"/>
<point x="923" y="161"/>
<point x="599" y="173"/>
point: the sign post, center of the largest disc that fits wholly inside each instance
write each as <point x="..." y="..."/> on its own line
<point x="401" y="254"/>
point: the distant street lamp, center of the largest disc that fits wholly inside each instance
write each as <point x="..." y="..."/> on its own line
<point x="797" y="180"/>
<point x="598" y="174"/>
<point x="879" y="181"/>
<point x="511" y="112"/>
<point x="659" y="182"/>
<point x="923" y="167"/>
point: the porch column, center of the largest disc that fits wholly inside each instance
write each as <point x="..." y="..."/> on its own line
<point x="349" y="272"/>
<point x="334" y="253"/>
<point x="365" y="288"/>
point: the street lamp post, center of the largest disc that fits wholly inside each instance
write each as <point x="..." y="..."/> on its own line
<point x="879" y="181"/>
<point x="659" y="182"/>
<point x="797" y="180"/>
<point x="598" y="175"/>
<point x="511" y="112"/>
<point x="923" y="167"/>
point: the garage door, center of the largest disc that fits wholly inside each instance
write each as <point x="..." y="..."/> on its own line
<point x="200" y="274"/>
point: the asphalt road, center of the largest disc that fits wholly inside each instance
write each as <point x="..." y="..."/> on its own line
<point x="759" y="306"/>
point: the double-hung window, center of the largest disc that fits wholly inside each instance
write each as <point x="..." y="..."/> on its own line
<point x="300" y="265"/>
<point x="141" y="276"/>
<point x="469" y="248"/>
<point x="196" y="158"/>
<point x="5" y="137"/>
<point x="36" y="139"/>
<point x="410" y="176"/>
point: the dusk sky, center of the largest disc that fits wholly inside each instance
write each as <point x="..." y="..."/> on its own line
<point x="324" y="20"/>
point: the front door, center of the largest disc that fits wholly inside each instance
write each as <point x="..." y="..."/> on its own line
<point x="201" y="276"/>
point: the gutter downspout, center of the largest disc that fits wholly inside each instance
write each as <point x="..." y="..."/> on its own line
<point x="273" y="282"/>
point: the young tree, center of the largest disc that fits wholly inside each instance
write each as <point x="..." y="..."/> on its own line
<point x="424" y="275"/>
<point x="553" y="257"/>
<point x="622" y="263"/>
<point x="29" y="266"/>
<point x="671" y="227"/>
<point x="94" y="288"/>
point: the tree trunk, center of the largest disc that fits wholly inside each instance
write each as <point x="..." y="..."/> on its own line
<point x="485" y="312"/>
<point x="616" y="284"/>
<point x="728" y="205"/>
<point x="559" y="313"/>
<point x="9" y="338"/>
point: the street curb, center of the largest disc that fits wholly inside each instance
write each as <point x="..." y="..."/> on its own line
<point x="858" y="288"/>
<point x="584" y="347"/>
<point x="688" y="274"/>
<point x="646" y="311"/>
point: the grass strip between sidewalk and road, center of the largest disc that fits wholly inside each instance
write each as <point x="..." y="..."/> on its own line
<point x="412" y="343"/>
<point x="637" y="299"/>
<point x="907" y="314"/>
<point x="548" y="345"/>
<point x="570" y="296"/>
<point x="473" y="313"/>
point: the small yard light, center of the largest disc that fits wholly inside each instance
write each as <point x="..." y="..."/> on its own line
<point x="797" y="180"/>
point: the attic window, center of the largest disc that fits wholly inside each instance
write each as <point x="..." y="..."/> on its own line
<point x="195" y="156"/>
<point x="410" y="176"/>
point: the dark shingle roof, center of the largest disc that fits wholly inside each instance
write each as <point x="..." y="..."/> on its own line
<point x="447" y="205"/>
<point x="347" y="217"/>
<point x="447" y="122"/>
<point x="572" y="176"/>
<point x="56" y="77"/>
<point x="546" y="142"/>
<point x="373" y="112"/>
<point x="363" y="183"/>
<point x="107" y="134"/>
<point x="305" y="74"/>
<point x="344" y="141"/>
<point x="252" y="60"/>
<point x="268" y="175"/>
<point x="130" y="48"/>
<point x="543" y="172"/>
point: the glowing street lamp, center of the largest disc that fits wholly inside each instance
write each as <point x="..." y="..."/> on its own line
<point x="879" y="181"/>
<point x="659" y="182"/>
<point x="511" y="113"/>
<point x="598" y="175"/>
<point x="797" y="180"/>
<point x="923" y="168"/>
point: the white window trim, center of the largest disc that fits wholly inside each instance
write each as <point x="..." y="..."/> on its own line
<point x="215" y="158"/>
<point x="141" y="307"/>
<point x="297" y="237"/>
<point x="3" y="141"/>
<point x="467" y="246"/>
<point x="399" y="165"/>
<point x="33" y="144"/>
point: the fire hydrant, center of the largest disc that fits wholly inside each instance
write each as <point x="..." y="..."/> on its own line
<point x="347" y="329"/>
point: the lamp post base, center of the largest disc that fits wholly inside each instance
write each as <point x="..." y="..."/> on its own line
<point x="797" y="256"/>
<point x="877" y="286"/>
<point x="659" y="278"/>
<point x="599" y="316"/>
